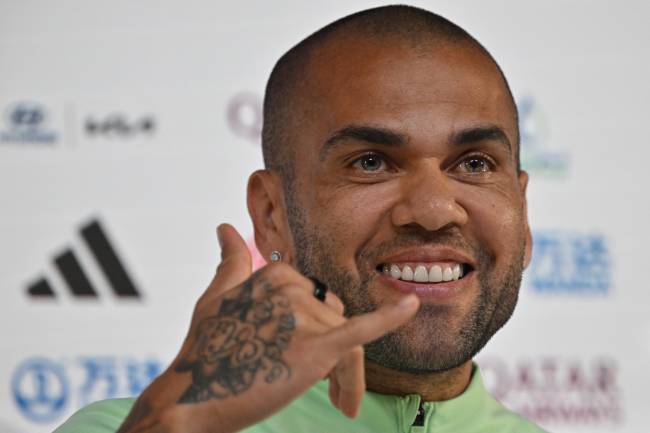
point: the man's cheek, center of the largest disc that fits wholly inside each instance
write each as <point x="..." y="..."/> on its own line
<point x="496" y="223"/>
<point x="359" y="206"/>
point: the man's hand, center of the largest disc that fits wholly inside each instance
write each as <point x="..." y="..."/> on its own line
<point x="257" y="342"/>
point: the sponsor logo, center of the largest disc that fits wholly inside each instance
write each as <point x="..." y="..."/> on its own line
<point x="537" y="154"/>
<point x="44" y="389"/>
<point x="244" y="115"/>
<point x="569" y="262"/>
<point x="26" y="122"/>
<point x="76" y="278"/>
<point x="118" y="125"/>
<point x="552" y="390"/>
<point x="40" y="389"/>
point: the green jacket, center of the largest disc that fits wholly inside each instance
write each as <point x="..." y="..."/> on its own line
<point x="474" y="411"/>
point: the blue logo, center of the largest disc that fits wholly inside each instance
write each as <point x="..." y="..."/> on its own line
<point x="568" y="262"/>
<point x="44" y="390"/>
<point x="40" y="389"/>
<point x="109" y="377"/>
<point x="26" y="123"/>
<point x="537" y="154"/>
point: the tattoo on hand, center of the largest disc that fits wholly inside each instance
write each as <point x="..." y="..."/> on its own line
<point x="245" y="338"/>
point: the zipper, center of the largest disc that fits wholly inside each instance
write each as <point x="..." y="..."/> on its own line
<point x="419" y="418"/>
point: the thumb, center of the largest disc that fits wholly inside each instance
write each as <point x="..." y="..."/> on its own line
<point x="236" y="262"/>
<point x="365" y="328"/>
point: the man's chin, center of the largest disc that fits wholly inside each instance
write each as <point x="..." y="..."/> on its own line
<point x="416" y="365"/>
<point x="420" y="352"/>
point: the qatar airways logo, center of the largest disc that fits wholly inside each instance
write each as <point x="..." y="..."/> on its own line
<point x="554" y="390"/>
<point x="244" y="116"/>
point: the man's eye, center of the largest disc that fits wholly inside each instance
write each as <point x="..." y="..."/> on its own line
<point x="370" y="162"/>
<point x="476" y="164"/>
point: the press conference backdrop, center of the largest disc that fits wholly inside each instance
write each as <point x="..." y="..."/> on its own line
<point x="128" y="129"/>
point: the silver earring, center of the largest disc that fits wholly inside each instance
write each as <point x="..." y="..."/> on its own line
<point x="276" y="256"/>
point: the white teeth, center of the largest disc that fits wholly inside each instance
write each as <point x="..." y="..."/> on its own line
<point x="447" y="274"/>
<point x="421" y="275"/>
<point x="435" y="274"/>
<point x="407" y="273"/>
<point x="456" y="272"/>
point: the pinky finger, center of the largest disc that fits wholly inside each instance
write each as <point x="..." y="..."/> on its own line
<point x="334" y="390"/>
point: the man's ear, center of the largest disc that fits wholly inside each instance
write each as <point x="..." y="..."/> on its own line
<point x="528" y="251"/>
<point x="266" y="207"/>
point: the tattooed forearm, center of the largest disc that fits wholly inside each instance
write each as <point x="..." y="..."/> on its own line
<point x="246" y="338"/>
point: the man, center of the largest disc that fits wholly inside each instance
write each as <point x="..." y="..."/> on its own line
<point x="392" y="178"/>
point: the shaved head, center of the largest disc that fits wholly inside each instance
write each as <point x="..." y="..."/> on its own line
<point x="288" y="103"/>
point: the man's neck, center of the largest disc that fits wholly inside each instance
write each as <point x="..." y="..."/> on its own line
<point x="430" y="387"/>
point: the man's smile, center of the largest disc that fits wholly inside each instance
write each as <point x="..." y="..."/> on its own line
<point x="438" y="272"/>
<point x="425" y="272"/>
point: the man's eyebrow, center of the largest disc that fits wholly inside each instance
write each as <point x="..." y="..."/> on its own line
<point x="481" y="133"/>
<point x="369" y="134"/>
<point x="387" y="137"/>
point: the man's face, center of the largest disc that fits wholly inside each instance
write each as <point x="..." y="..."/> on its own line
<point x="406" y="160"/>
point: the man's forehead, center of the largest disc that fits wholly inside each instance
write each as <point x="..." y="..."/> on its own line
<point x="364" y="78"/>
<point x="355" y="58"/>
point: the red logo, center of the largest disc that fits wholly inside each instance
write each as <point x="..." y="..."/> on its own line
<point x="244" y="115"/>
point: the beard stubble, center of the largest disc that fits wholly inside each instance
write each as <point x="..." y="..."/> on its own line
<point x="426" y="344"/>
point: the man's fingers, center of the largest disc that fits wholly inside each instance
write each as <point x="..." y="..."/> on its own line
<point x="368" y="327"/>
<point x="350" y="377"/>
<point x="334" y="302"/>
<point x="236" y="262"/>
<point x="334" y="390"/>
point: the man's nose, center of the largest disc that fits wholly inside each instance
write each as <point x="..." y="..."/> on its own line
<point x="429" y="199"/>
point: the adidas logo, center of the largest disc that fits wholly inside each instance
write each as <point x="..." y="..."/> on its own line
<point x="76" y="278"/>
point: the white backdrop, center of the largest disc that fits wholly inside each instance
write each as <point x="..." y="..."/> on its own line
<point x="140" y="121"/>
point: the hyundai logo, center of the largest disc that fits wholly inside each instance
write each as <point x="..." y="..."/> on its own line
<point x="25" y="115"/>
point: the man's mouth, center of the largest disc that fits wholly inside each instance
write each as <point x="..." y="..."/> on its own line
<point x="425" y="272"/>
